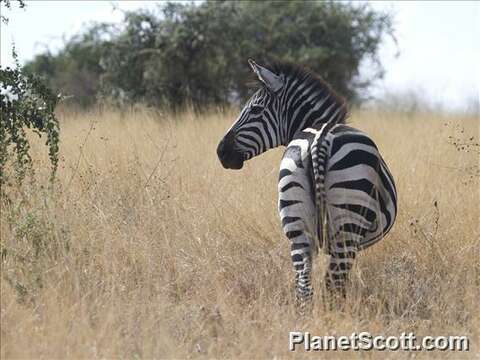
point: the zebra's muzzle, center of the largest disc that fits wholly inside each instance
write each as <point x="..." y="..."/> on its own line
<point x="228" y="156"/>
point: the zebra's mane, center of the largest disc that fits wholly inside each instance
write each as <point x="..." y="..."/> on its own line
<point x="313" y="80"/>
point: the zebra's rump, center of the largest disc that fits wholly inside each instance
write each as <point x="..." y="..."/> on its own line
<point x="356" y="195"/>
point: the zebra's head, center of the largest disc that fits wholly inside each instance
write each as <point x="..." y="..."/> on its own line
<point x="291" y="99"/>
<point x="256" y="129"/>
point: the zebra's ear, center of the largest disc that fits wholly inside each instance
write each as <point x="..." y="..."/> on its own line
<point x="274" y="82"/>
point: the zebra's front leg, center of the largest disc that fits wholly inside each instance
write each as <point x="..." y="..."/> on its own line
<point x="343" y="254"/>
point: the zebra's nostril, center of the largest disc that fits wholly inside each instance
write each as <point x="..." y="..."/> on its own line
<point x="225" y="145"/>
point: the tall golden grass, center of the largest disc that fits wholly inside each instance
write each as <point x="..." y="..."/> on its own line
<point x="149" y="248"/>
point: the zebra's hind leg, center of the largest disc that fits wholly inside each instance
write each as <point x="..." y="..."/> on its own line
<point x="302" y="262"/>
<point x="343" y="253"/>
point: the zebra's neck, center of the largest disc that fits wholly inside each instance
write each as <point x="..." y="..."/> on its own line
<point x="305" y="106"/>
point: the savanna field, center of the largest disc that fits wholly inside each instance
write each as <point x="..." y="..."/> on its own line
<point x="148" y="248"/>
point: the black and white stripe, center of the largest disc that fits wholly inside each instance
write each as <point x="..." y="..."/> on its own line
<point x="335" y="191"/>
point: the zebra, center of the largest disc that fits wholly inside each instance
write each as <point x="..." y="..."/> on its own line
<point x="336" y="193"/>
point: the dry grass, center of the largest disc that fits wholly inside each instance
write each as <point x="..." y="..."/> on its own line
<point x="149" y="248"/>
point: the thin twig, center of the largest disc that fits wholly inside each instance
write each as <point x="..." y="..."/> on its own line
<point x="162" y="154"/>
<point x="80" y="156"/>
<point x="451" y="167"/>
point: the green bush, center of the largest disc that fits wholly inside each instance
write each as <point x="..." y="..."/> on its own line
<point x="25" y="103"/>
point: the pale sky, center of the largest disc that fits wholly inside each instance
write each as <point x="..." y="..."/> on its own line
<point x="439" y="42"/>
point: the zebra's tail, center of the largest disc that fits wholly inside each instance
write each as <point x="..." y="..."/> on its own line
<point x="319" y="151"/>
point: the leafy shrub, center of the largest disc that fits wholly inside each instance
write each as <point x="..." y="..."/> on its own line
<point x="26" y="103"/>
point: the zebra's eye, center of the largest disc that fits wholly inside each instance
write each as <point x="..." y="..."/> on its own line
<point x="256" y="109"/>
